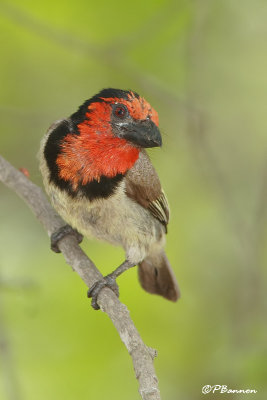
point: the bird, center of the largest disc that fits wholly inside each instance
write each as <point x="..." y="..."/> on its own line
<point x="100" y="180"/>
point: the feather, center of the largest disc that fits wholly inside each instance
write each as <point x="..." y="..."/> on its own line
<point x="156" y="276"/>
<point x="143" y="186"/>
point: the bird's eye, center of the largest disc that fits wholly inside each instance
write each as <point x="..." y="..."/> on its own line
<point x="120" y="111"/>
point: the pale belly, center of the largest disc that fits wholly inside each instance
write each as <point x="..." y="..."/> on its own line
<point x="117" y="220"/>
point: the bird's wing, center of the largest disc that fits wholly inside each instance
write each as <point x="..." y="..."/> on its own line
<point x="143" y="186"/>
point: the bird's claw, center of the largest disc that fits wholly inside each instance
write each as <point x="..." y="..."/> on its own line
<point x="61" y="233"/>
<point x="108" y="281"/>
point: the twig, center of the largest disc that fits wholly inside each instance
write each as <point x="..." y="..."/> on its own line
<point x="142" y="356"/>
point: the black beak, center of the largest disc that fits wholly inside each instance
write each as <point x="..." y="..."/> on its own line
<point x="143" y="134"/>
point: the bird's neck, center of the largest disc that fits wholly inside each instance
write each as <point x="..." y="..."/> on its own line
<point x="93" y="154"/>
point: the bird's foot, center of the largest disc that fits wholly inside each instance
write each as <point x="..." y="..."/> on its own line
<point x="61" y="233"/>
<point x="108" y="281"/>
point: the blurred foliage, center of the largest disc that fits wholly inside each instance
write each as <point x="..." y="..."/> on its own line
<point x="202" y="65"/>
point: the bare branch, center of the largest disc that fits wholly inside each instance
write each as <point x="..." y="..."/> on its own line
<point x="142" y="356"/>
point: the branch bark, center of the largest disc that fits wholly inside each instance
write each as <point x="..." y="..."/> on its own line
<point x="142" y="356"/>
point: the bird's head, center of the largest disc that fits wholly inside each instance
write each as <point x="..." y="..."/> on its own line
<point x="121" y="114"/>
<point x="104" y="137"/>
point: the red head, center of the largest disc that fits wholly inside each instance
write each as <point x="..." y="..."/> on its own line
<point x="103" y="138"/>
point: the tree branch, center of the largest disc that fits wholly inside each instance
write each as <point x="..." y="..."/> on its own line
<point x="142" y="356"/>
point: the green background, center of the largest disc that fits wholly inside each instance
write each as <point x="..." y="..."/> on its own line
<point x="202" y="65"/>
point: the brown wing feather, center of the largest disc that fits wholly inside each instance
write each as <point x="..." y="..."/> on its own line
<point x="143" y="186"/>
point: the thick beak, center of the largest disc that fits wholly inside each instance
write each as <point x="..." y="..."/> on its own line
<point x="143" y="134"/>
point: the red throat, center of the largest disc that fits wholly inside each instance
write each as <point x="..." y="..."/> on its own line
<point x="94" y="153"/>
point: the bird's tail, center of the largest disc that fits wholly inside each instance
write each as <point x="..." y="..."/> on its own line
<point x="156" y="276"/>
